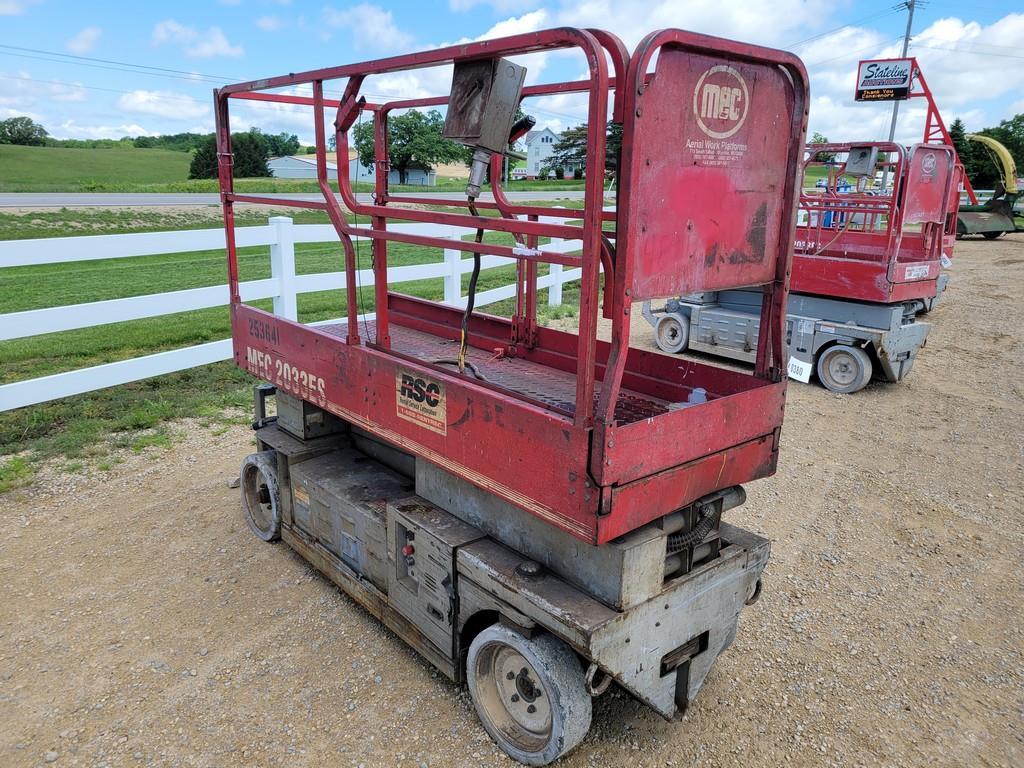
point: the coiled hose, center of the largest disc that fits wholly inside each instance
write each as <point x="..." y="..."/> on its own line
<point x="709" y="517"/>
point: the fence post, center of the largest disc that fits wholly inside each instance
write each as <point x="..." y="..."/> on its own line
<point x="282" y="266"/>
<point x="555" y="289"/>
<point x="452" y="276"/>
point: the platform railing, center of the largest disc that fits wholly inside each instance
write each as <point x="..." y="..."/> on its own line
<point x="283" y="287"/>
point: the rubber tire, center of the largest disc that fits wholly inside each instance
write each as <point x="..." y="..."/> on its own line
<point x="261" y="469"/>
<point x="683" y="339"/>
<point x="560" y="675"/>
<point x="860" y="358"/>
<point x="991" y="235"/>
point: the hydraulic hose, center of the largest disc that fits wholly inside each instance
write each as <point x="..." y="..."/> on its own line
<point x="709" y="517"/>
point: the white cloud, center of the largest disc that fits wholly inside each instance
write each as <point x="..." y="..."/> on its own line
<point x="774" y="23"/>
<point x="199" y="45"/>
<point x="168" y="104"/>
<point x="964" y="81"/>
<point x="70" y="129"/>
<point x="501" y="6"/>
<point x="14" y="7"/>
<point x="85" y="40"/>
<point x="371" y="26"/>
<point x="528" y="22"/>
<point x="978" y="68"/>
<point x="269" y="23"/>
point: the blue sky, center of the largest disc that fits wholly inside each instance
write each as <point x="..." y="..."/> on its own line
<point x="971" y="54"/>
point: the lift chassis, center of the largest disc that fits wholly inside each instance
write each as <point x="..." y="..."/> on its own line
<point x="438" y="561"/>
<point x="514" y="501"/>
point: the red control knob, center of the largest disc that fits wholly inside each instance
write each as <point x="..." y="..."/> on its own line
<point x="408" y="549"/>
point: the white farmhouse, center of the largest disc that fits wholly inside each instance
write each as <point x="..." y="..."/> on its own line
<point x="539" y="146"/>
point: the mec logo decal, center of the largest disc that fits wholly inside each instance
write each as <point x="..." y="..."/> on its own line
<point x="421" y="400"/>
<point x="721" y="101"/>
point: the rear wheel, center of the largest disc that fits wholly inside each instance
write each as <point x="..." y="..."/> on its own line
<point x="261" y="498"/>
<point x="529" y="693"/>
<point x="844" y="369"/>
<point x="672" y="333"/>
<point x="991" y="235"/>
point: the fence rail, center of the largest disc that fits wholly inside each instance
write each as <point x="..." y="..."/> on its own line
<point x="284" y="286"/>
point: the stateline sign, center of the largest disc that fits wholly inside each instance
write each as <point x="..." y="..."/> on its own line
<point x="884" y="80"/>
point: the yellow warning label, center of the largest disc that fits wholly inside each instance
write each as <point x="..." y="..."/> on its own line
<point x="421" y="400"/>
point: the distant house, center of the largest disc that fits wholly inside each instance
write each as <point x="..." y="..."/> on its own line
<point x="297" y="167"/>
<point x="304" y="167"/>
<point x="359" y="172"/>
<point x="540" y="145"/>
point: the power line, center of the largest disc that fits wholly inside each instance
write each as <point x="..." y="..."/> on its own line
<point x="190" y="75"/>
<point x="839" y="29"/>
<point x="846" y="54"/>
<point x="962" y="50"/>
<point x="91" y="87"/>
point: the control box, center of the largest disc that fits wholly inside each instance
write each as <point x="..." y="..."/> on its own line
<point x="483" y="102"/>
<point x="421" y="577"/>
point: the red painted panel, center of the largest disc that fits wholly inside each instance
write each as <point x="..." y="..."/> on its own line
<point x="679" y="486"/>
<point x="540" y="465"/>
<point x="712" y="142"/>
<point x="929" y="179"/>
<point x="680" y="436"/>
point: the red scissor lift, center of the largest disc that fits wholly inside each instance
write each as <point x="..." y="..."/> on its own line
<point x="570" y="449"/>
<point x="878" y="245"/>
<point x="867" y="261"/>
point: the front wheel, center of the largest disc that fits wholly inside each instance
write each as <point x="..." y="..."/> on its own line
<point x="261" y="498"/>
<point x="844" y="369"/>
<point x="530" y="693"/>
<point x="672" y="333"/>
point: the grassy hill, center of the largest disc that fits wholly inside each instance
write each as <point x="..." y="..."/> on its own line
<point x="49" y="169"/>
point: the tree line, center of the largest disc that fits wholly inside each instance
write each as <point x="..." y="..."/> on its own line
<point x="415" y="142"/>
<point x="979" y="166"/>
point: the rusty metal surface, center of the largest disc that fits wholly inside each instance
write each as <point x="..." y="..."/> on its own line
<point x="538" y="382"/>
<point x="540" y="431"/>
<point x="883" y="246"/>
<point x="713" y="152"/>
<point x="371" y="599"/>
<point x="630" y="645"/>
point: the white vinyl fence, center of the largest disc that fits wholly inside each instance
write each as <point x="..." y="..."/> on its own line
<point x="284" y="285"/>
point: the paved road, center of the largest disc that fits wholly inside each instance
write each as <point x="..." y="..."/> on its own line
<point x="111" y="199"/>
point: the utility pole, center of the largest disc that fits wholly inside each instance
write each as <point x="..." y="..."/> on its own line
<point x="909" y="5"/>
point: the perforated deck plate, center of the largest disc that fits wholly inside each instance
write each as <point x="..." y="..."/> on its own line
<point x="546" y="385"/>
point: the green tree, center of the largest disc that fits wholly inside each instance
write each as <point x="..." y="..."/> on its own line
<point x="570" y="149"/>
<point x="820" y="138"/>
<point x="982" y="169"/>
<point x="964" y="148"/>
<point x="282" y="144"/>
<point x="22" y="130"/>
<point x="250" y="156"/>
<point x="414" y="141"/>
<point x="613" y="147"/>
<point x="204" y="161"/>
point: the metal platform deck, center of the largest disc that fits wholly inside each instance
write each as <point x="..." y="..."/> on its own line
<point x="540" y="383"/>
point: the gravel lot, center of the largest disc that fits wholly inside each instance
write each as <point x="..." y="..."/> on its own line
<point x="142" y="624"/>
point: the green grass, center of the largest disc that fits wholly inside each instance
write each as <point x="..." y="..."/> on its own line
<point x="14" y="473"/>
<point x="79" y="428"/>
<point x="56" y="169"/>
<point x="127" y="169"/>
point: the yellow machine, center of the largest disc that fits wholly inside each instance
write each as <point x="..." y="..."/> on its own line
<point x="994" y="217"/>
